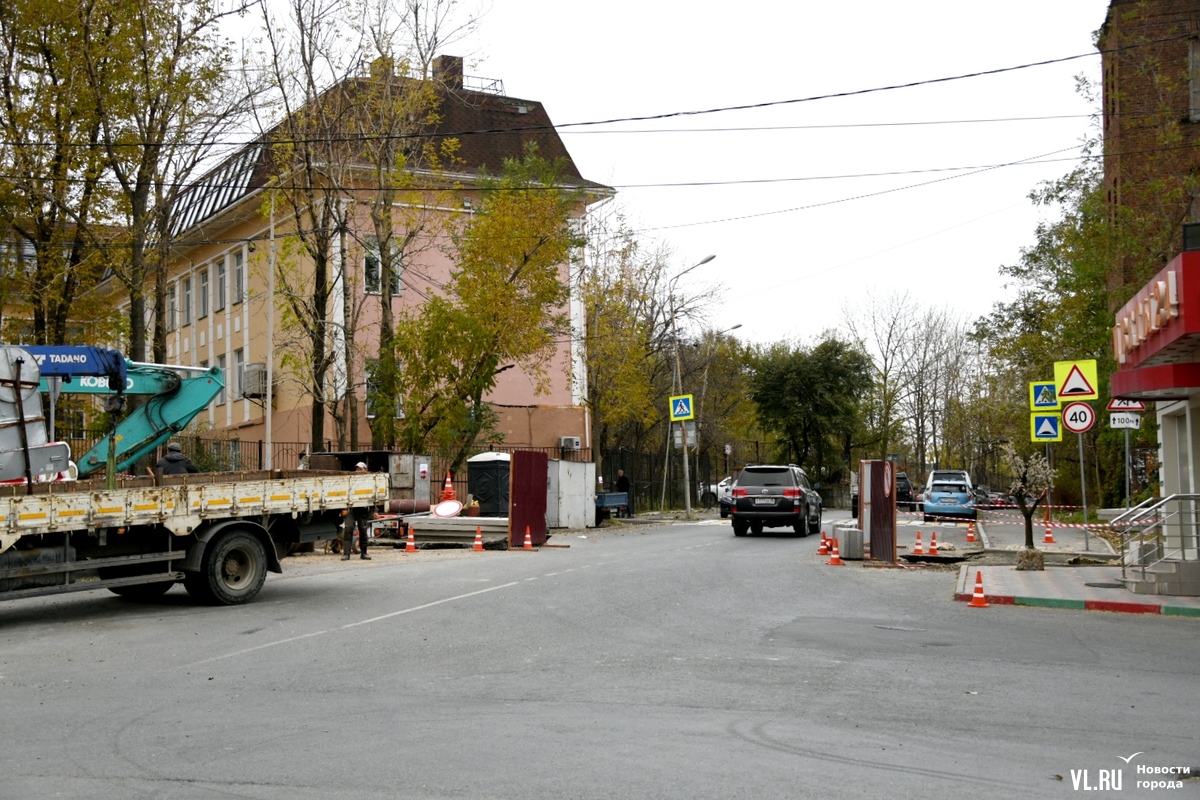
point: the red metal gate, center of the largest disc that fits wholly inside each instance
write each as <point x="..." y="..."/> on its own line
<point x="529" y="477"/>
<point x="877" y="484"/>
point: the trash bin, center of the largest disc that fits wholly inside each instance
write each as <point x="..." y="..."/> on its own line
<point x="487" y="481"/>
<point x="850" y="544"/>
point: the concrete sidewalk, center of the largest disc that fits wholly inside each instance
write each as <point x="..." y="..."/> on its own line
<point x="1086" y="588"/>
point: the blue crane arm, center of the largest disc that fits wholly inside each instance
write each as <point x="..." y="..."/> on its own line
<point x="158" y="420"/>
<point x="68" y="361"/>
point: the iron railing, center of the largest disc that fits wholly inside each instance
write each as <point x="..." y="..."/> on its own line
<point x="1156" y="530"/>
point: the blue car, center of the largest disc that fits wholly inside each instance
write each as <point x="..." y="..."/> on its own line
<point x="949" y="499"/>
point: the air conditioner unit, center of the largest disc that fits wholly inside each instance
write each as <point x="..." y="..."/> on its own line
<point x="569" y="443"/>
<point x="254" y="380"/>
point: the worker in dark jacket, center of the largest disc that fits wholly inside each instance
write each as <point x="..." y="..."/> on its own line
<point x="359" y="517"/>
<point x="175" y="462"/>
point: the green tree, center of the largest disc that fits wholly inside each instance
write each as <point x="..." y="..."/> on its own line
<point x="503" y="307"/>
<point x="53" y="199"/>
<point x="156" y="71"/>
<point x="811" y="398"/>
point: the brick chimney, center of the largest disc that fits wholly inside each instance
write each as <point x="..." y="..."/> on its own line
<point x="448" y="70"/>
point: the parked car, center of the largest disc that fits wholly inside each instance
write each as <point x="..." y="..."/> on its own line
<point x="949" y="497"/>
<point x="712" y="494"/>
<point x="905" y="499"/>
<point x="773" y="496"/>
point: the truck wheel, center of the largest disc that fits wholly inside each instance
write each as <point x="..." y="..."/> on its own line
<point x="234" y="569"/>
<point x="142" y="592"/>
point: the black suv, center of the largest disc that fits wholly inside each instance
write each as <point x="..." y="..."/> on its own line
<point x="775" y="496"/>
<point x="904" y="493"/>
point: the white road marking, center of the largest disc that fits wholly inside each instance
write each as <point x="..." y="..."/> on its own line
<point x="355" y="624"/>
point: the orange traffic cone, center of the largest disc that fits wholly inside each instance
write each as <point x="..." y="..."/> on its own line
<point x="933" y="543"/>
<point x="823" y="550"/>
<point x="918" y="550"/>
<point x="836" y="560"/>
<point x="411" y="545"/>
<point x="977" y="599"/>
<point x="970" y="532"/>
<point x="528" y="540"/>
<point x="478" y="539"/>
<point x="447" y="490"/>
<point x="1049" y="537"/>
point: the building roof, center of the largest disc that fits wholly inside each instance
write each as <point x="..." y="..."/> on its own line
<point x="491" y="128"/>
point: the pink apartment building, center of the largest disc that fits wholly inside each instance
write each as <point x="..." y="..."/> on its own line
<point x="220" y="281"/>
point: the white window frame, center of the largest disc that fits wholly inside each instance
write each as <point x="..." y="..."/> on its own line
<point x="202" y="291"/>
<point x="221" y="293"/>
<point x="239" y="278"/>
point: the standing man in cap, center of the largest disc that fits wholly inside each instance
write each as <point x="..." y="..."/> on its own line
<point x="359" y="517"/>
<point x="175" y="462"/>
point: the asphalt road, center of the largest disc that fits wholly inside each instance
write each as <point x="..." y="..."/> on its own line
<point x="672" y="661"/>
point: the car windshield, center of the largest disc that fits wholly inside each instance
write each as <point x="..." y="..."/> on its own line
<point x="950" y="488"/>
<point x="765" y="477"/>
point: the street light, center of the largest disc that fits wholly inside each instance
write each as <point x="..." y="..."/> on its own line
<point x="687" y="478"/>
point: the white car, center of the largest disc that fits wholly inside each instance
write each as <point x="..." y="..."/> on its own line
<point x="722" y="493"/>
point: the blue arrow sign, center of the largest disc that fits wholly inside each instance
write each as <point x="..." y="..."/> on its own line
<point x="1045" y="427"/>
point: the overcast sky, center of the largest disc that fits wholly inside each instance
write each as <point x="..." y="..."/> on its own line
<point x="798" y="239"/>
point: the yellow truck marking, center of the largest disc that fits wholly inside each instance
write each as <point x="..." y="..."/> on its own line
<point x="337" y="494"/>
<point x="37" y="515"/>
<point x="145" y="506"/>
<point x="276" y="497"/>
<point x="110" y="510"/>
<point x="249" y="499"/>
<point x="72" y="513"/>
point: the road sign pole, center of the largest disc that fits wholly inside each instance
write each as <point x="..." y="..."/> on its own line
<point x="1127" y="468"/>
<point x="687" y="478"/>
<point x="1087" y="545"/>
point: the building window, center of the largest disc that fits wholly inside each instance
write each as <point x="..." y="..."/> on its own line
<point x="203" y="287"/>
<point x="187" y="301"/>
<point x="372" y="392"/>
<point x="219" y="298"/>
<point x="239" y="278"/>
<point x="239" y="371"/>
<point x="224" y="377"/>
<point x="172" y="315"/>
<point x="372" y="266"/>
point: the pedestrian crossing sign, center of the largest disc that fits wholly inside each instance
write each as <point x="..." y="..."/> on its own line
<point x="682" y="408"/>
<point x="1076" y="380"/>
<point x="1043" y="396"/>
<point x="1045" y="426"/>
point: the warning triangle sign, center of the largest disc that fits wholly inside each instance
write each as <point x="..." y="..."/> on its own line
<point x="1046" y="396"/>
<point x="1076" y="384"/>
<point x="1047" y="427"/>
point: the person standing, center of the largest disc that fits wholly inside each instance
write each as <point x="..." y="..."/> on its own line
<point x="175" y="462"/>
<point x="623" y="485"/>
<point x="359" y="517"/>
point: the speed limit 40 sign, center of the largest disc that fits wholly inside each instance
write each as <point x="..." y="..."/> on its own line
<point x="1078" y="417"/>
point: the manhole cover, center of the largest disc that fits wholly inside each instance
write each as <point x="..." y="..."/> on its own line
<point x="1106" y="585"/>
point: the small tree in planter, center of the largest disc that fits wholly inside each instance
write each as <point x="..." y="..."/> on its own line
<point x="1032" y="480"/>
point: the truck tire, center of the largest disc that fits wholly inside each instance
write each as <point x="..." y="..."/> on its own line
<point x="142" y="592"/>
<point x="232" y="571"/>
